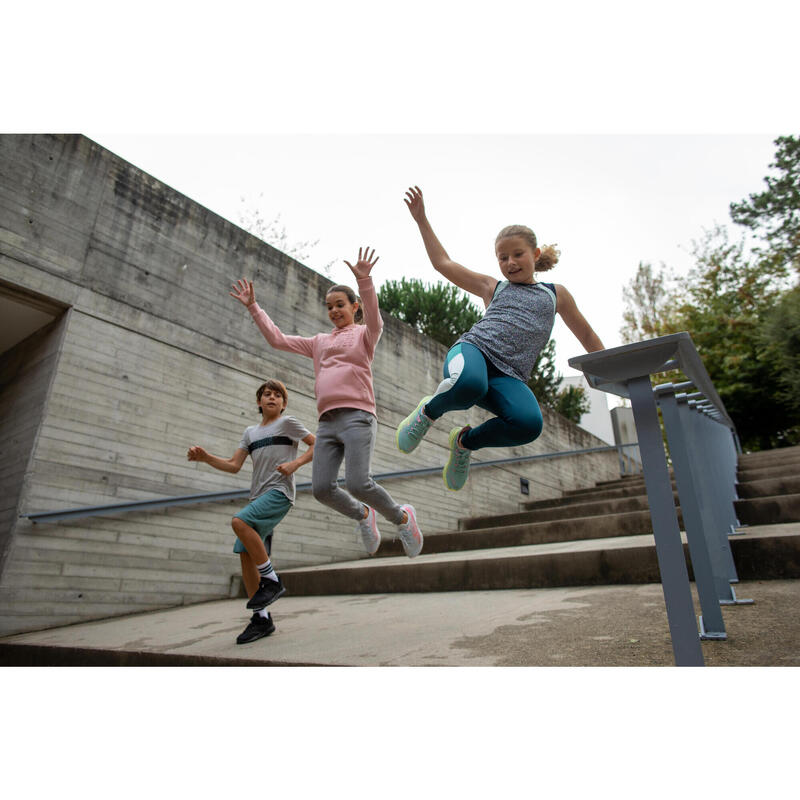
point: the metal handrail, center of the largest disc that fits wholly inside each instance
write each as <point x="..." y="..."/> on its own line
<point x="214" y="497"/>
<point x="703" y="448"/>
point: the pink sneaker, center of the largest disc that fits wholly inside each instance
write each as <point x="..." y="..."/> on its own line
<point x="370" y="535"/>
<point x="410" y="534"/>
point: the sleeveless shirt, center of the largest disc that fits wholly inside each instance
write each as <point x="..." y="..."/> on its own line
<point x="516" y="326"/>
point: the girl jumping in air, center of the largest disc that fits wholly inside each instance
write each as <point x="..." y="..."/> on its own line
<point x="345" y="403"/>
<point x="490" y="364"/>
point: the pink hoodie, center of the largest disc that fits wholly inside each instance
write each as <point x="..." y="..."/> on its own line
<point x="342" y="358"/>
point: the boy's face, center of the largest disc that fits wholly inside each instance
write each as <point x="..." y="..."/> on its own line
<point x="271" y="403"/>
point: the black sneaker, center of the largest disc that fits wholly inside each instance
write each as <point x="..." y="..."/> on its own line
<point x="267" y="593"/>
<point x="258" y="628"/>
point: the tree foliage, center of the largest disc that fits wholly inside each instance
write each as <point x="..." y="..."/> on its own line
<point x="572" y="402"/>
<point x="774" y="214"/>
<point x="727" y="298"/>
<point x="779" y="338"/>
<point x="545" y="380"/>
<point x="274" y="233"/>
<point x="740" y="308"/>
<point x="440" y="311"/>
<point x="649" y="301"/>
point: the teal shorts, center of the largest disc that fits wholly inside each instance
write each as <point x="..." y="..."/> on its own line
<point x="263" y="514"/>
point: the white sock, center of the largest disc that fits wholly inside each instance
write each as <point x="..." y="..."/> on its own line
<point x="262" y="612"/>
<point x="266" y="570"/>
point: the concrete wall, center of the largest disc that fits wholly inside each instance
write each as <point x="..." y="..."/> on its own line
<point x="154" y="356"/>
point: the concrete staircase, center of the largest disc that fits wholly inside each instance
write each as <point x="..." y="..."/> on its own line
<point x="594" y="536"/>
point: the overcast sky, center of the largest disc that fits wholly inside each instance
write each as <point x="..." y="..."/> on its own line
<point x="608" y="201"/>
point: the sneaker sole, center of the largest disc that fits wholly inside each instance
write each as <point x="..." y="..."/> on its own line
<point x="407" y="421"/>
<point x="269" y="602"/>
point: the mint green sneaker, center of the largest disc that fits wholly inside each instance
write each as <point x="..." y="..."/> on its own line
<point x="411" y="430"/>
<point x="456" y="470"/>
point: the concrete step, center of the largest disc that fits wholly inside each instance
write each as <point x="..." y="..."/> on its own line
<point x="564" y="511"/>
<point x="631" y="523"/>
<point x="766" y="457"/>
<point x="769" y="552"/>
<point x="599" y="494"/>
<point x="768" y="487"/>
<point x="768" y="510"/>
<point x="774" y="471"/>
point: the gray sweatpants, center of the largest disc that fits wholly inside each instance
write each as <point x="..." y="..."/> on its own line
<point x="349" y="434"/>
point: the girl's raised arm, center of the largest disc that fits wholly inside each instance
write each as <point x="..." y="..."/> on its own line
<point x="366" y="289"/>
<point x="244" y="292"/>
<point x="472" y="282"/>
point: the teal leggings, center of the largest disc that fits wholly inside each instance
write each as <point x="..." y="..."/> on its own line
<point x="470" y="379"/>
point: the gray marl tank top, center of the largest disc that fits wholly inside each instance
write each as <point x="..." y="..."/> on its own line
<point x="516" y="326"/>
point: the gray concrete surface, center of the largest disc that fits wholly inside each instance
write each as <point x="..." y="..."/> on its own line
<point x="584" y="626"/>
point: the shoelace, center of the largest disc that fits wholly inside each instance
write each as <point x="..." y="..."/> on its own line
<point x="462" y="457"/>
<point x="416" y="428"/>
<point x="409" y="533"/>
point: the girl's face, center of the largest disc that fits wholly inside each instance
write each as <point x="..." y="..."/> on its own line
<point x="341" y="311"/>
<point x="517" y="259"/>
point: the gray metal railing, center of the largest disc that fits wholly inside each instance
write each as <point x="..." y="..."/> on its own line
<point x="237" y="494"/>
<point x="703" y="448"/>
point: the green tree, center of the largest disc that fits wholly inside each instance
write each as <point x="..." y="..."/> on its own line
<point x="440" y="311"/>
<point x="545" y="381"/>
<point x="650" y="301"/>
<point x="774" y="214"/>
<point x="779" y="337"/>
<point x="728" y="296"/>
<point x="572" y="402"/>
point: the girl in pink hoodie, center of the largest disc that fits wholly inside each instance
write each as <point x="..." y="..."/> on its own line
<point x="345" y="403"/>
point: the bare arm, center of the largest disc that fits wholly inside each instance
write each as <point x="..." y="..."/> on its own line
<point x="575" y="321"/>
<point x="232" y="464"/>
<point x="292" y="466"/>
<point x="466" y="279"/>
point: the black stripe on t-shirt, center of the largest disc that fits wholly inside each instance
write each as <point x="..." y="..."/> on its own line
<point x="269" y="440"/>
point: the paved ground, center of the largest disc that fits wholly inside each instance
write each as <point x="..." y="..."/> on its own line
<point x="592" y="626"/>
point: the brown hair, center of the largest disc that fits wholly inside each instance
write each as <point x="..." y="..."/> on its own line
<point x="275" y="386"/>
<point x="548" y="257"/>
<point x="351" y="296"/>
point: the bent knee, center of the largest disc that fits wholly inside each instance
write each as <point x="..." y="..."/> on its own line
<point x="322" y="493"/>
<point x="529" y="428"/>
<point x="359" y="488"/>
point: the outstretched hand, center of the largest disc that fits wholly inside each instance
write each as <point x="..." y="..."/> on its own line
<point x="196" y="453"/>
<point x="244" y="292"/>
<point x="416" y="206"/>
<point x="364" y="264"/>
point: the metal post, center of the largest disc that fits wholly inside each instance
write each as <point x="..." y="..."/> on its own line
<point x="669" y="549"/>
<point x="709" y="586"/>
<point x="715" y="487"/>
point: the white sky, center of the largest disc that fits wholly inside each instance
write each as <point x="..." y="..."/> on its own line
<point x="608" y="201"/>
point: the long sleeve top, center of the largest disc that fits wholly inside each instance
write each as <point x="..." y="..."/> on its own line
<point x="342" y="358"/>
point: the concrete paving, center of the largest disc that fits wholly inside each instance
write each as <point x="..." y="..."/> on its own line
<point x="583" y="626"/>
